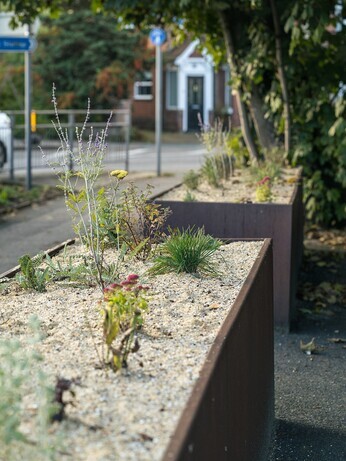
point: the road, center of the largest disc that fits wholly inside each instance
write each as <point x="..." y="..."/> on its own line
<point x="142" y="157"/>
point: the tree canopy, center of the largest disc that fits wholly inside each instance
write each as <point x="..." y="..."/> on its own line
<point x="85" y="55"/>
<point x="88" y="57"/>
<point x="287" y="64"/>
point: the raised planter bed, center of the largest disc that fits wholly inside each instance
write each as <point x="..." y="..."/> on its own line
<point x="228" y="412"/>
<point x="281" y="222"/>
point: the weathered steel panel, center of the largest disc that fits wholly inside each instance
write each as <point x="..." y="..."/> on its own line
<point x="230" y="412"/>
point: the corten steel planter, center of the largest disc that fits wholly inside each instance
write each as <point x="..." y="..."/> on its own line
<point x="281" y="222"/>
<point x="230" y="412"/>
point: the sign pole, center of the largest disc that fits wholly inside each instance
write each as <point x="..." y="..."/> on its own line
<point x="158" y="37"/>
<point x="28" y="115"/>
<point x="158" y="106"/>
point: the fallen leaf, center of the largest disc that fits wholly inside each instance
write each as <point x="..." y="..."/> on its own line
<point x="309" y="347"/>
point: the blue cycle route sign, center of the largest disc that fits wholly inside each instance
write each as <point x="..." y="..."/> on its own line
<point x="17" y="44"/>
<point x="157" y="36"/>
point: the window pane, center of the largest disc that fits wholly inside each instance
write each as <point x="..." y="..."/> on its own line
<point x="143" y="90"/>
<point x="172" y="88"/>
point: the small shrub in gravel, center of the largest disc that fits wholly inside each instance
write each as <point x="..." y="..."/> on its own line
<point x="264" y="190"/>
<point x="122" y="308"/>
<point x="31" y="276"/>
<point x="189" y="197"/>
<point x="188" y="251"/>
<point x="140" y="221"/>
<point x="191" y="179"/>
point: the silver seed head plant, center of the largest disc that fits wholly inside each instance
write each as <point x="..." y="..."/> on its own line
<point x="83" y="197"/>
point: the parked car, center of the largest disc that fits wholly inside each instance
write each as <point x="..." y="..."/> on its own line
<point x="5" y="138"/>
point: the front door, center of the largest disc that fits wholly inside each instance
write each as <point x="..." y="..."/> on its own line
<point x="194" y="102"/>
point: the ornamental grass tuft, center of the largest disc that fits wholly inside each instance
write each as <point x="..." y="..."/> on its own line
<point x="188" y="251"/>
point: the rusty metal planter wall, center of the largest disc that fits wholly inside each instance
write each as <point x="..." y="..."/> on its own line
<point x="281" y="222"/>
<point x="230" y="412"/>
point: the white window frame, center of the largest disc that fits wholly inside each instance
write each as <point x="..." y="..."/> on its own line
<point x="168" y="89"/>
<point x="142" y="84"/>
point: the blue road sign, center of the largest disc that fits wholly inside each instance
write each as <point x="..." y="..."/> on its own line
<point x="17" y="44"/>
<point x="157" y="36"/>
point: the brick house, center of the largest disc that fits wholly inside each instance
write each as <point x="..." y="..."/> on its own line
<point x="191" y="86"/>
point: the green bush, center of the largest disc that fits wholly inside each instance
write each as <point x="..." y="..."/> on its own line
<point x="321" y="151"/>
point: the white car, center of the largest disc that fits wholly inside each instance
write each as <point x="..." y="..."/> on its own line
<point x="5" y="138"/>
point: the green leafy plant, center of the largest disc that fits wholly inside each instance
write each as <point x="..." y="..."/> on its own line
<point x="140" y="222"/>
<point x="191" y="179"/>
<point x="189" y="197"/>
<point x="263" y="190"/>
<point x="21" y="376"/>
<point x="189" y="251"/>
<point x="69" y="269"/>
<point x="32" y="277"/>
<point x="122" y="309"/>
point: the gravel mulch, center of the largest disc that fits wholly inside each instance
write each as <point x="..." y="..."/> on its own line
<point x="241" y="188"/>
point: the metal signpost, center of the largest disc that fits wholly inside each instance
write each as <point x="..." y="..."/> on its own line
<point x="26" y="45"/>
<point x="158" y="37"/>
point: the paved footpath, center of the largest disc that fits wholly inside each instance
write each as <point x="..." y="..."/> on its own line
<point x="311" y="390"/>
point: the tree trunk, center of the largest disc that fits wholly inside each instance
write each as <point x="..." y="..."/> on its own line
<point x="282" y="76"/>
<point x="263" y="127"/>
<point x="244" y="122"/>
